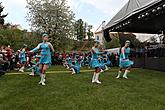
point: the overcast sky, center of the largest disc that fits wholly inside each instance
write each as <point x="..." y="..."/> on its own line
<point x="91" y="11"/>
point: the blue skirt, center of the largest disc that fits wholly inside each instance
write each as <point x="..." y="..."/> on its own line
<point x="126" y="63"/>
<point x="77" y="69"/>
<point x="37" y="70"/>
<point x="23" y="60"/>
<point x="45" y="59"/>
<point x="108" y="63"/>
<point x="95" y="63"/>
<point x="102" y="66"/>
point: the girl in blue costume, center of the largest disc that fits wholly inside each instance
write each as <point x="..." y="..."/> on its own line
<point x="95" y="63"/>
<point x="76" y="67"/>
<point x="23" y="59"/>
<point x="102" y="65"/>
<point x="69" y="62"/>
<point x="35" y="66"/>
<point x="124" y="61"/>
<point x="107" y="63"/>
<point x="45" y="60"/>
<point x="81" y="61"/>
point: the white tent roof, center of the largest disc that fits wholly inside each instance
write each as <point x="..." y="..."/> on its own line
<point x="131" y="8"/>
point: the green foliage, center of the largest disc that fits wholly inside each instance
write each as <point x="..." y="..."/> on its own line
<point x="135" y="43"/>
<point x="89" y="32"/>
<point x="66" y="45"/>
<point x="54" y="17"/>
<point x="118" y="40"/>
<point x="85" y="45"/>
<point x="82" y="30"/>
<point x="17" y="38"/>
<point x="2" y="21"/>
<point x="115" y="42"/>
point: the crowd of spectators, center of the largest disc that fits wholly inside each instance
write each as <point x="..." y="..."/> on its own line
<point x="11" y="60"/>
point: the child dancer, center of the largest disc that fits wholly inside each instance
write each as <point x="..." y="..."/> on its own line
<point x="23" y="59"/>
<point x="76" y="66"/>
<point x="68" y="62"/>
<point x="45" y="60"/>
<point x="35" y="66"/>
<point x="65" y="63"/>
<point x="107" y="63"/>
<point x="124" y="60"/>
<point x="95" y="63"/>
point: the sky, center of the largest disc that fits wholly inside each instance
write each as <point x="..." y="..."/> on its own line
<point x="91" y="11"/>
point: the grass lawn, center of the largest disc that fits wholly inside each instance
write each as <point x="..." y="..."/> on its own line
<point x="145" y="90"/>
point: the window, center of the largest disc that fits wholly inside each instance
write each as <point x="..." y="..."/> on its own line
<point x="97" y="38"/>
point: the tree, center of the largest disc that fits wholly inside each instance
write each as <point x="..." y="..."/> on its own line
<point x="135" y="43"/>
<point x="89" y="32"/>
<point x="17" y="38"/>
<point x="53" y="17"/>
<point x="82" y="30"/>
<point x="115" y="42"/>
<point x="119" y="39"/>
<point x="2" y="21"/>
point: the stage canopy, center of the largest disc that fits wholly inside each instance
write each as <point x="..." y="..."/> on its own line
<point x="139" y="16"/>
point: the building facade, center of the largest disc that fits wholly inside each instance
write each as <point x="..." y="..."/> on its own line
<point x="99" y="37"/>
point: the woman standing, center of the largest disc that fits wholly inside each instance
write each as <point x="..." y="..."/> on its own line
<point x="95" y="63"/>
<point x="45" y="60"/>
<point x="124" y="60"/>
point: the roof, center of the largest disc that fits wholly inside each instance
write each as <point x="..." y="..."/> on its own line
<point x="98" y="32"/>
<point x="131" y="8"/>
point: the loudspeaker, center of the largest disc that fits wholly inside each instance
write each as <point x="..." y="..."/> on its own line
<point x="107" y="35"/>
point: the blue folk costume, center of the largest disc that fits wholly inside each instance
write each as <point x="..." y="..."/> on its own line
<point x="86" y="60"/>
<point x="124" y="59"/>
<point x="90" y="62"/>
<point x="23" y="60"/>
<point x="35" y="67"/>
<point x="22" y="56"/>
<point x="82" y="63"/>
<point x="102" y="64"/>
<point x="94" y="61"/>
<point x="45" y="52"/>
<point x="76" y="66"/>
<point x="69" y="61"/>
<point x="95" y="64"/>
<point x="108" y="62"/>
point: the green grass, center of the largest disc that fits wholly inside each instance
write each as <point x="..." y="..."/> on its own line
<point x="145" y="90"/>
